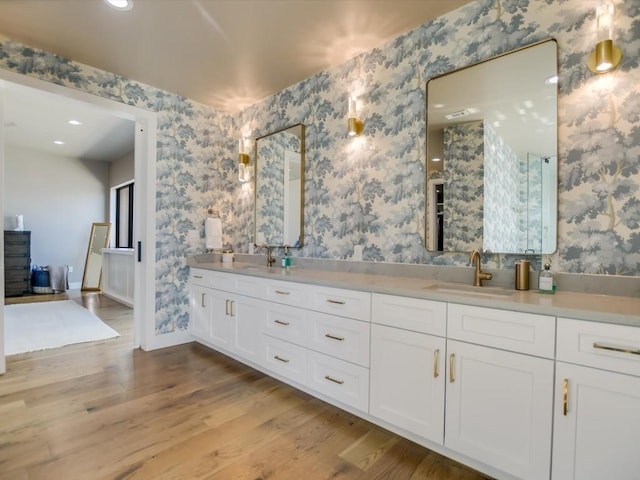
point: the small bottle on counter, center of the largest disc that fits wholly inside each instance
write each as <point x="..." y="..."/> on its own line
<point x="547" y="279"/>
<point x="286" y="259"/>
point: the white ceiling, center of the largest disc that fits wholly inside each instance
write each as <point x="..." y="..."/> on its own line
<point x="225" y="53"/>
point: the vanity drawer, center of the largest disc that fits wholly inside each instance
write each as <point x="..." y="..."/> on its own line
<point x="199" y="276"/>
<point x="289" y="293"/>
<point x="286" y="323"/>
<point x="340" y="337"/>
<point x="246" y="285"/>
<point x="528" y="333"/>
<point x="600" y="345"/>
<point x="345" y="303"/>
<point x="285" y="359"/>
<point x="340" y="380"/>
<point x="415" y="314"/>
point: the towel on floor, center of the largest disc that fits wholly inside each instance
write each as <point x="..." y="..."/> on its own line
<point x="213" y="233"/>
<point x="58" y="278"/>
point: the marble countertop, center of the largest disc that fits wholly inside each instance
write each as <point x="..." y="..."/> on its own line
<point x="586" y="306"/>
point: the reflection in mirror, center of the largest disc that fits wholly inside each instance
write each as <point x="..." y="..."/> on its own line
<point x="99" y="239"/>
<point x="280" y="188"/>
<point x="492" y="155"/>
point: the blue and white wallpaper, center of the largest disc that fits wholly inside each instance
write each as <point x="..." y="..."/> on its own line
<point x="370" y="191"/>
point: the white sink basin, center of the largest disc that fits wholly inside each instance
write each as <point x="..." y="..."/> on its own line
<point x="459" y="289"/>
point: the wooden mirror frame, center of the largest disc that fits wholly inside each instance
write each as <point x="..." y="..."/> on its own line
<point x="90" y="265"/>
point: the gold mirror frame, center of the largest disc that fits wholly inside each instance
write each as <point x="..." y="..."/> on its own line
<point x="493" y="125"/>
<point x="98" y="239"/>
<point x="279" y="214"/>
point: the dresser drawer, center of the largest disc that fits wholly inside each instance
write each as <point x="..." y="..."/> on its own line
<point x="340" y="337"/>
<point x="516" y="331"/>
<point x="199" y="276"/>
<point x="340" y="380"/>
<point x="600" y="345"/>
<point x="415" y="314"/>
<point x="346" y="303"/>
<point x="288" y="293"/>
<point x="286" y="323"/>
<point x="285" y="359"/>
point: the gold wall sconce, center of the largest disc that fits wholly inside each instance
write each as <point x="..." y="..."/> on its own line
<point x="243" y="159"/>
<point x="355" y="124"/>
<point x="606" y="55"/>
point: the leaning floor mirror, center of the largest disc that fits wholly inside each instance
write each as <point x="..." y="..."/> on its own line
<point x="98" y="239"/>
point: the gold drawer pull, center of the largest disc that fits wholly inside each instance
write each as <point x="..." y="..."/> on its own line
<point x="197" y="276"/>
<point x="333" y="337"/>
<point x="281" y="322"/>
<point x="331" y="379"/>
<point x="282" y="292"/>
<point x="337" y="302"/>
<point x="565" y="397"/>
<point x="452" y="367"/>
<point x="281" y="359"/>
<point x="631" y="350"/>
<point x="436" y="355"/>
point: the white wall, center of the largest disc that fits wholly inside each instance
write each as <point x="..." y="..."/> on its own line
<point x="59" y="198"/>
<point x="121" y="170"/>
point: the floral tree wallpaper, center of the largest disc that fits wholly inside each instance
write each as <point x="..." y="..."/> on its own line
<point x="370" y="190"/>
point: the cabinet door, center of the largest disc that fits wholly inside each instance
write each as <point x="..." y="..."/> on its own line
<point x="499" y="408"/>
<point x="200" y="307"/>
<point x="222" y="323"/>
<point x="408" y="381"/>
<point x="597" y="436"/>
<point x="247" y="316"/>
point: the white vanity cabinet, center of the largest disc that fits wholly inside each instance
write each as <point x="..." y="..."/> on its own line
<point x="498" y="400"/>
<point x="407" y="364"/>
<point x="597" y="402"/>
<point x="223" y="319"/>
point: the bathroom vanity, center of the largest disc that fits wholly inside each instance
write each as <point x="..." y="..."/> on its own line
<point x="515" y="384"/>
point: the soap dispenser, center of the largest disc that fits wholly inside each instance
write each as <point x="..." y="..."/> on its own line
<point x="547" y="279"/>
<point x="286" y="259"/>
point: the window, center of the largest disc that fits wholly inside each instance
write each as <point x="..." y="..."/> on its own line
<point x="124" y="216"/>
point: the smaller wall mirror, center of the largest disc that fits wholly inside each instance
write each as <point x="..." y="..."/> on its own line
<point x="279" y="174"/>
<point x="99" y="239"/>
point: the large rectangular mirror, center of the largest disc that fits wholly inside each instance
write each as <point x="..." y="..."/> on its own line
<point x="492" y="171"/>
<point x="279" y="174"/>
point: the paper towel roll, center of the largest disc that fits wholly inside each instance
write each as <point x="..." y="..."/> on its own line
<point x="19" y="223"/>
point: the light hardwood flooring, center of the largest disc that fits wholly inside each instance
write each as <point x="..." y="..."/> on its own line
<point x="104" y="410"/>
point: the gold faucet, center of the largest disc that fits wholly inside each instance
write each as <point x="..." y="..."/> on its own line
<point x="479" y="275"/>
<point x="270" y="259"/>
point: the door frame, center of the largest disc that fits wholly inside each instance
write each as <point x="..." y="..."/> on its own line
<point x="145" y="155"/>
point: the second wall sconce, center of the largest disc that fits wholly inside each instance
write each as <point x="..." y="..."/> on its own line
<point x="355" y="124"/>
<point x="243" y="159"/>
<point x="606" y="56"/>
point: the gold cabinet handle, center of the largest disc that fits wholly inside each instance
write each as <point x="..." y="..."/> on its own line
<point x="282" y="292"/>
<point x="452" y="367"/>
<point x="337" y="302"/>
<point x="284" y="360"/>
<point x="565" y="397"/>
<point x="331" y="379"/>
<point x="282" y="322"/>
<point x="436" y="355"/>
<point x="233" y="313"/>
<point x="197" y="276"/>
<point x="631" y="350"/>
<point x="202" y="301"/>
<point x="334" y="337"/>
<point x="226" y="307"/>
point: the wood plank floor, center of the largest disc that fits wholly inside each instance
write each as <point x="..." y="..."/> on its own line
<point x="104" y="410"/>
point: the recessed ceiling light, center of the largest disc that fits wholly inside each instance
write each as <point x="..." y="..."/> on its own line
<point x="75" y="122"/>
<point x="458" y="114"/>
<point x="58" y="142"/>
<point x="120" y="4"/>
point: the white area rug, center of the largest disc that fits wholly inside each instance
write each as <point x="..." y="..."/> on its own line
<point x="38" y="326"/>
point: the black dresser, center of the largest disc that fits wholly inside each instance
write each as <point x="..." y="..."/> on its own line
<point x="17" y="263"/>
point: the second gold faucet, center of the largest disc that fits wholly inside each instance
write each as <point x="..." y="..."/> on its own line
<point x="479" y="275"/>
